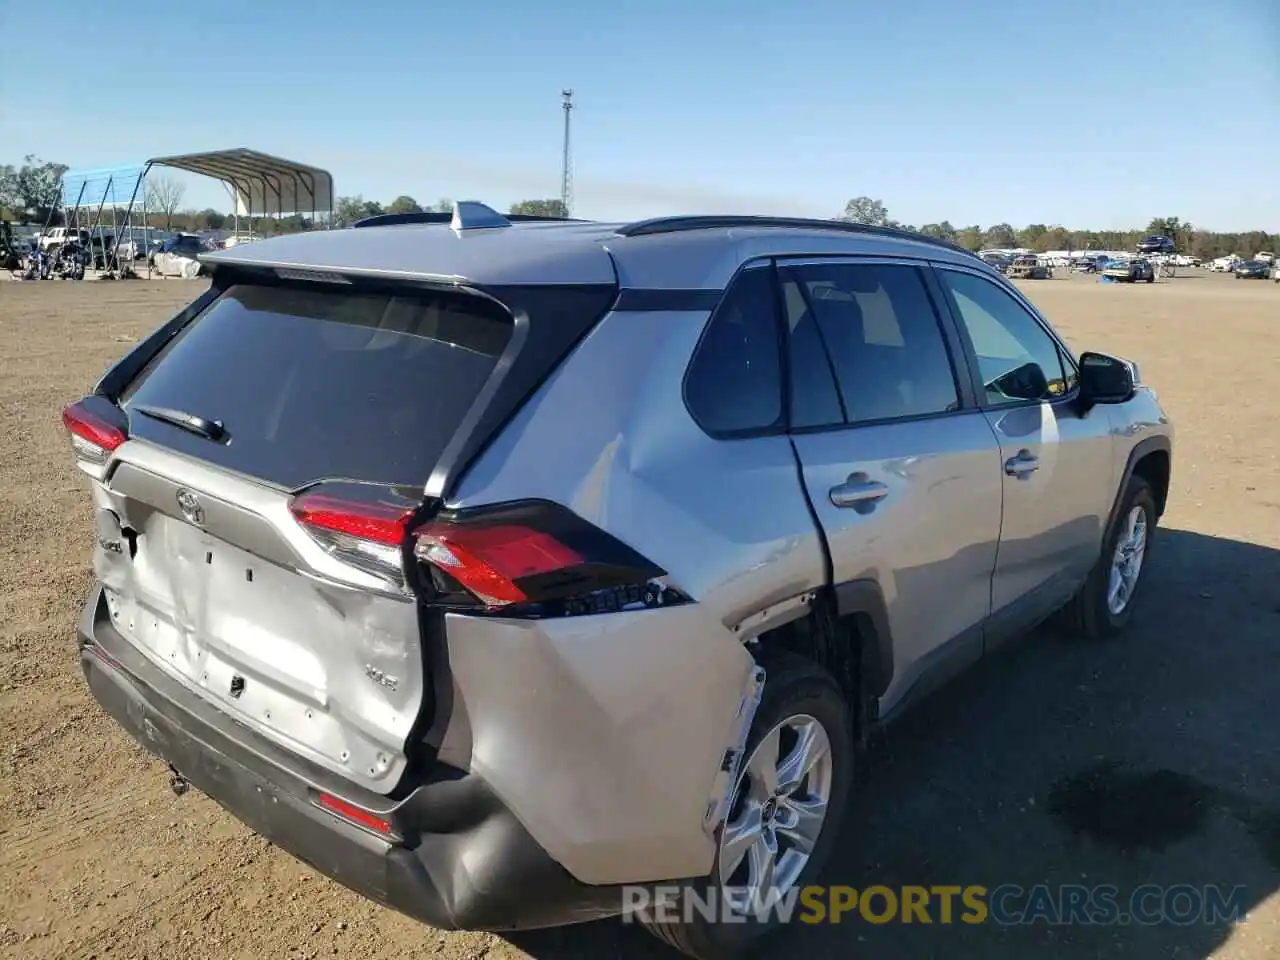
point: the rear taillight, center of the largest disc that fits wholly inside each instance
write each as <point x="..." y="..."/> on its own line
<point x="362" y="526"/>
<point x="534" y="557"/>
<point x="95" y="430"/>
<point x="491" y="561"/>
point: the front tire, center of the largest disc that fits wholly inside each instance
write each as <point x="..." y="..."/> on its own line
<point x="1104" y="605"/>
<point x="786" y="813"/>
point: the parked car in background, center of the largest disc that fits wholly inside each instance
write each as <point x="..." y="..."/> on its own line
<point x="1252" y="270"/>
<point x="1089" y="263"/>
<point x="1224" y="264"/>
<point x="1130" y="270"/>
<point x="1156" y="244"/>
<point x="999" y="261"/>
<point x="137" y="243"/>
<point x="179" y="257"/>
<point x="486" y="600"/>
<point x="101" y="249"/>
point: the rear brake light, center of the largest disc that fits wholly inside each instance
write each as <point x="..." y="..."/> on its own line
<point x="489" y="561"/>
<point x="534" y="557"/>
<point x="376" y="522"/>
<point x="93" y="437"/>
<point x="365" y="530"/>
<point x="354" y="814"/>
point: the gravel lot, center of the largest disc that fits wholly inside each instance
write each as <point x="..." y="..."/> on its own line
<point x="1151" y="760"/>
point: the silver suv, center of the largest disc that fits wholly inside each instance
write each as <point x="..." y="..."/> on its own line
<point x="492" y="567"/>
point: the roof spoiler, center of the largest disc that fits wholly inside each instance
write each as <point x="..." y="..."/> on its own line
<point x="466" y="215"/>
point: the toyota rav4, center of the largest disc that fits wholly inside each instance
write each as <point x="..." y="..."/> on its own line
<point x="492" y="566"/>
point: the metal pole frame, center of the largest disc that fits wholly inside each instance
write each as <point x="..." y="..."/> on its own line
<point x="128" y="225"/>
<point x="73" y="215"/>
<point x="96" y="224"/>
<point x="146" y="231"/>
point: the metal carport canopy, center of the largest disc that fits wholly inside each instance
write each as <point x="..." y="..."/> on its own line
<point x="261" y="185"/>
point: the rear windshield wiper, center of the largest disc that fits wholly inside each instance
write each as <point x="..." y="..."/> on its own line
<point x="209" y="429"/>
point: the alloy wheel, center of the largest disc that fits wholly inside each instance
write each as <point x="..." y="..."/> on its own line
<point x="1126" y="562"/>
<point x="779" y="808"/>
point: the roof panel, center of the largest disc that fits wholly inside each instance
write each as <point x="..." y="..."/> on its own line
<point x="523" y="253"/>
<point x="112" y="186"/>
<point x="263" y="185"/>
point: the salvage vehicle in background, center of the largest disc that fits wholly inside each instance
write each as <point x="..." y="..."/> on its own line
<point x="1028" y="267"/>
<point x="489" y="567"/>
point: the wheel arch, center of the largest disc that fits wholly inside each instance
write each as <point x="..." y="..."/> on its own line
<point x="1151" y="459"/>
<point x="845" y="630"/>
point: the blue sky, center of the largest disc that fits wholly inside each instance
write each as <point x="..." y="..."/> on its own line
<point x="1098" y="115"/>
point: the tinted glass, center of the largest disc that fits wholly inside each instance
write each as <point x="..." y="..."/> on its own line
<point x="1018" y="359"/>
<point x="881" y="332"/>
<point x="815" y="401"/>
<point x="313" y="384"/>
<point x="734" y="382"/>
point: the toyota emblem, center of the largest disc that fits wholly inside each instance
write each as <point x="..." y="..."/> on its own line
<point x="190" y="506"/>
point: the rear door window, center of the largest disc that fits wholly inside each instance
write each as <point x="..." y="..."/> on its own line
<point x="879" y="328"/>
<point x="315" y="384"/>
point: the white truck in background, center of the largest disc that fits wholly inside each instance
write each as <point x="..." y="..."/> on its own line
<point x="57" y="236"/>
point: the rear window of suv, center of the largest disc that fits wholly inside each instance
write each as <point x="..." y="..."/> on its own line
<point x="312" y="384"/>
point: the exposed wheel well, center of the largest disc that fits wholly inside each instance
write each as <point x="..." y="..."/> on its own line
<point x="1154" y="468"/>
<point x="843" y="646"/>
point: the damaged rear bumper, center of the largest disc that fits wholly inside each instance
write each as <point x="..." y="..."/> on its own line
<point x="458" y="858"/>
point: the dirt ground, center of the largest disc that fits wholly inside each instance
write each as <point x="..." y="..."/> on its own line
<point x="1150" y="760"/>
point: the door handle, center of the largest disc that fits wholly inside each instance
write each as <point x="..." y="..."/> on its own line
<point x="1023" y="465"/>
<point x="851" y="493"/>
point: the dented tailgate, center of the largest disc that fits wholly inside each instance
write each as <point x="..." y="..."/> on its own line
<point x="209" y="575"/>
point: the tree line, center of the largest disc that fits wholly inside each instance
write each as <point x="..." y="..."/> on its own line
<point x="29" y="193"/>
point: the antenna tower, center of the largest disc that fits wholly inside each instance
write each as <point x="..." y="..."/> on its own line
<point x="566" y="168"/>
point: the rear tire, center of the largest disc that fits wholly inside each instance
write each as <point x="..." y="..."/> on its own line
<point x="1101" y="610"/>
<point x="797" y="691"/>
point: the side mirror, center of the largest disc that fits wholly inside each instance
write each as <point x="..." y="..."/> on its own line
<point x="1105" y="379"/>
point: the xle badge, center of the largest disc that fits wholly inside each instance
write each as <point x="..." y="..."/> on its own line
<point x="380" y="677"/>
<point x="190" y="506"/>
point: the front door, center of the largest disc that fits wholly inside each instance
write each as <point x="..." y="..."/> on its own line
<point x="1055" y="458"/>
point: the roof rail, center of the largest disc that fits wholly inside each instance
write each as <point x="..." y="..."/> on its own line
<point x="432" y="216"/>
<point x="646" y="228"/>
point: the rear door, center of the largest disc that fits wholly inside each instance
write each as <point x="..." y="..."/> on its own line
<point x="902" y="469"/>
<point x="248" y="529"/>
<point x="1055" y="458"/>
